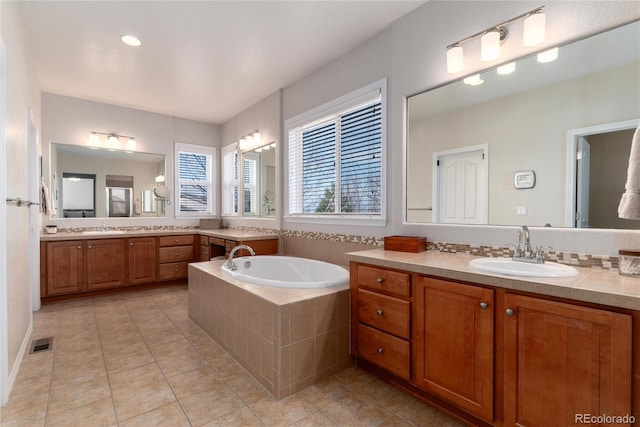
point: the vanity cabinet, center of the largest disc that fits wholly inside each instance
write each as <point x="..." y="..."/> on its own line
<point x="562" y="360"/>
<point x="106" y="266"/>
<point x="65" y="267"/>
<point x="489" y="355"/>
<point x="218" y="246"/>
<point x="453" y="343"/>
<point x="143" y="260"/>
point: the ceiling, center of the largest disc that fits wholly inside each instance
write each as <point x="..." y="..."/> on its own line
<point x="199" y="60"/>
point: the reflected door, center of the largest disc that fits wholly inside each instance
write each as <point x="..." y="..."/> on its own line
<point x="583" y="165"/>
<point x="461" y="190"/>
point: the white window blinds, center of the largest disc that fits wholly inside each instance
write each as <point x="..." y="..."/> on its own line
<point x="230" y="180"/>
<point x="194" y="170"/>
<point x="335" y="161"/>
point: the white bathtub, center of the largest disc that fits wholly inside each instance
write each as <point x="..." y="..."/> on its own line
<point x="287" y="272"/>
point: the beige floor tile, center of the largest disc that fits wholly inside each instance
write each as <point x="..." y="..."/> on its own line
<point x="325" y="392"/>
<point x="65" y="397"/>
<point x="24" y="410"/>
<point x="170" y="415"/>
<point x="195" y="381"/>
<point x="132" y="402"/>
<point x="124" y="361"/>
<point x="96" y="414"/>
<point x="227" y="366"/>
<point x="357" y="409"/>
<point x="317" y="419"/>
<point x="239" y="417"/>
<point x="135" y="377"/>
<point x="249" y="390"/>
<point x="211" y="350"/>
<point x="171" y="348"/>
<point x="184" y="362"/>
<point x="282" y="412"/>
<point x="207" y="406"/>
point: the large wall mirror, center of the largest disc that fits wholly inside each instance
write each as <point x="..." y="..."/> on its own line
<point x="259" y="181"/>
<point x="545" y="145"/>
<point x="102" y="183"/>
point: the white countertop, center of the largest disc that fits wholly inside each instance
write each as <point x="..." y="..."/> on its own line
<point x="597" y="286"/>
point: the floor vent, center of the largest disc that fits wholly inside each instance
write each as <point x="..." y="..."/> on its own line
<point x="40" y="345"/>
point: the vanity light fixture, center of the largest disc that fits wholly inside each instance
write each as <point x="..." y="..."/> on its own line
<point x="272" y="145"/>
<point x="252" y="139"/>
<point x="113" y="139"/>
<point x="548" y="55"/>
<point x="506" y="68"/>
<point x="160" y="178"/>
<point x="493" y="37"/>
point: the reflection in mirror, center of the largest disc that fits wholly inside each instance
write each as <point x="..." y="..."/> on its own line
<point x="526" y="124"/>
<point x="78" y="195"/>
<point x="259" y="176"/>
<point x="109" y="168"/>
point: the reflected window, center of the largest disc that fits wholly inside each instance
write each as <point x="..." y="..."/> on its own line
<point x="195" y="186"/>
<point x="230" y="180"/>
<point x="78" y="195"/>
<point x="250" y="184"/>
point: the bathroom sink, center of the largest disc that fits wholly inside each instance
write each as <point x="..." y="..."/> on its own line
<point x="99" y="232"/>
<point x="510" y="267"/>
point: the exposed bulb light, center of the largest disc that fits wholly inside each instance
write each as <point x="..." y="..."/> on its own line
<point x="507" y="68"/>
<point x="490" y="45"/>
<point x="113" y="139"/>
<point x="94" y="139"/>
<point x="473" y="80"/>
<point x="455" y="59"/>
<point x="242" y="143"/>
<point x="130" y="40"/>
<point x="257" y="137"/>
<point x="534" y="29"/>
<point x="548" y="55"/>
<point x="160" y="178"/>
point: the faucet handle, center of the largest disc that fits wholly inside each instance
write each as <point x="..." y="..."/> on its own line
<point x="515" y="247"/>
<point x="540" y="253"/>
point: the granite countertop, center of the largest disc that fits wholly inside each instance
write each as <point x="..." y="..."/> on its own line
<point x="597" y="286"/>
<point x="113" y="233"/>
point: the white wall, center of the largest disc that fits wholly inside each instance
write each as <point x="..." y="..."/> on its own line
<point x="70" y="120"/>
<point x="22" y="93"/>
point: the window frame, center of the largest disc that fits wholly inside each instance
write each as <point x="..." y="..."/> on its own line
<point x="211" y="183"/>
<point x="318" y="115"/>
<point x="234" y="184"/>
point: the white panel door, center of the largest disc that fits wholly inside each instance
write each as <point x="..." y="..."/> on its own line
<point x="462" y="186"/>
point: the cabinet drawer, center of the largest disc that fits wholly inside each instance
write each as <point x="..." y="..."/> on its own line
<point x="176" y="253"/>
<point x="386" y="313"/>
<point x="391" y="282"/>
<point x="216" y="241"/>
<point x="176" y="240"/>
<point x="386" y="351"/>
<point x="174" y="270"/>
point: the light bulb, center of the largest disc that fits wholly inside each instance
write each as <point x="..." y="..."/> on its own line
<point x="113" y="139"/>
<point x="455" y="59"/>
<point x="534" y="29"/>
<point x="257" y="138"/>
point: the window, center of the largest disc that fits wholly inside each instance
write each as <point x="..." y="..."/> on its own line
<point x="250" y="184"/>
<point x="195" y="184"/>
<point x="230" y="180"/>
<point x="335" y="158"/>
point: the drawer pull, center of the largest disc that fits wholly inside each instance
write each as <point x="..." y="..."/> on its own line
<point x="380" y="312"/>
<point x="79" y="247"/>
<point x="130" y="244"/>
<point x="380" y="350"/>
<point x="484" y="305"/>
<point x="177" y="269"/>
<point x="380" y="280"/>
<point x="90" y="246"/>
<point x="510" y="312"/>
<point x="177" y="240"/>
<point x="177" y="254"/>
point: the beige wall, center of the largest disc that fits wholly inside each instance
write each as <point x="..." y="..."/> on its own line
<point x="22" y="94"/>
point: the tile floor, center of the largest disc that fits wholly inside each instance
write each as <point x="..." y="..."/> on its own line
<point x="137" y="360"/>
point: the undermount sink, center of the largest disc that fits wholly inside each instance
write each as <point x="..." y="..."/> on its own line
<point x="103" y="232"/>
<point x="510" y="267"/>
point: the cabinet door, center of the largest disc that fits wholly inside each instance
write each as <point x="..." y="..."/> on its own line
<point x="563" y="361"/>
<point x="143" y="260"/>
<point x="453" y="344"/>
<point x="65" y="267"/>
<point x="105" y="263"/>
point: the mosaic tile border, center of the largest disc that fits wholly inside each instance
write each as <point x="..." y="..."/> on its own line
<point x="131" y="228"/>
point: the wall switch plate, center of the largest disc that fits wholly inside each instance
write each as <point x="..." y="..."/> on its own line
<point x="521" y="210"/>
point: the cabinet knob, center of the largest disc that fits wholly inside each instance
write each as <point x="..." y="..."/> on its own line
<point x="177" y="269"/>
<point x="380" y="312"/>
<point x="130" y="243"/>
<point x="79" y="247"/>
<point x="177" y="254"/>
<point x="90" y="246"/>
<point x="380" y="350"/>
<point x="484" y="305"/>
<point x="177" y="240"/>
<point x="380" y="280"/>
<point x="510" y="312"/>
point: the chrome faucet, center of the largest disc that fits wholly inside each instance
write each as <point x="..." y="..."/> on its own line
<point x="103" y="227"/>
<point x="232" y="265"/>
<point x="523" y="250"/>
<point x="524" y="234"/>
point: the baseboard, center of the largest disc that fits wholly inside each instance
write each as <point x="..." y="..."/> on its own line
<point x="16" y="366"/>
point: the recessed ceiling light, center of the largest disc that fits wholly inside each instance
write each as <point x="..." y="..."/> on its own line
<point x="131" y="40"/>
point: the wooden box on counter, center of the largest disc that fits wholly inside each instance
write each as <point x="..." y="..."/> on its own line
<point x="405" y="243"/>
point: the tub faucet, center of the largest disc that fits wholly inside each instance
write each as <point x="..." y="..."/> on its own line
<point x="232" y="265"/>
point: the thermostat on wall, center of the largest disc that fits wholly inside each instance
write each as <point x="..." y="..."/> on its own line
<point x="524" y="179"/>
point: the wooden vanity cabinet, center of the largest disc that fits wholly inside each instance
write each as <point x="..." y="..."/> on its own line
<point x="174" y="255"/>
<point x="562" y="360"/>
<point x="453" y="343"/>
<point x="143" y="260"/>
<point x="65" y="267"/>
<point x="106" y="263"/>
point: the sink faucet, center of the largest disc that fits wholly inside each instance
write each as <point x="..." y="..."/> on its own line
<point x="524" y="234"/>
<point x="232" y="265"/>
<point x="103" y="227"/>
<point x="523" y="250"/>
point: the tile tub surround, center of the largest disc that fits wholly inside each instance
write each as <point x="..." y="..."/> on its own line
<point x="287" y="339"/>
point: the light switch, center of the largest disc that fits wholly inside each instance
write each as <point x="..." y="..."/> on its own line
<point x="521" y="210"/>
